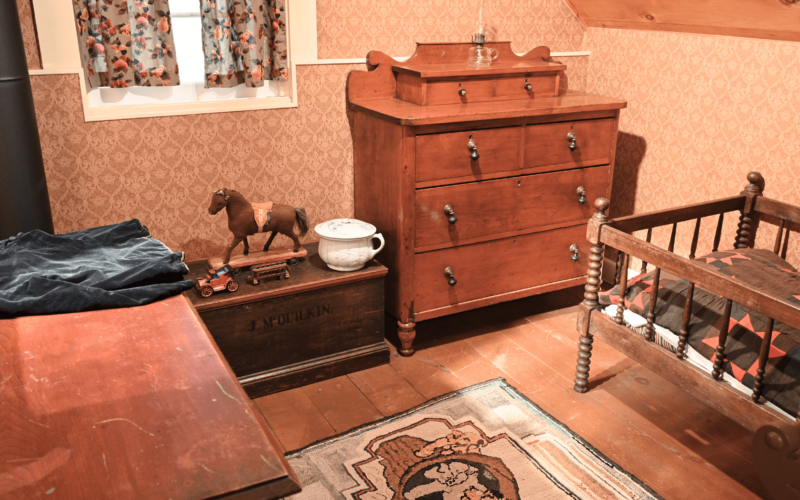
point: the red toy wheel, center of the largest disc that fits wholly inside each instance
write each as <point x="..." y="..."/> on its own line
<point x="233" y="285"/>
<point x="293" y="261"/>
<point x="206" y="291"/>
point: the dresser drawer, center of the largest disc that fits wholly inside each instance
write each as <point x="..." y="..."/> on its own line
<point x="548" y="144"/>
<point x="487" y="208"/>
<point x="447" y="91"/>
<point x="446" y="156"/>
<point x="515" y="87"/>
<point x="499" y="266"/>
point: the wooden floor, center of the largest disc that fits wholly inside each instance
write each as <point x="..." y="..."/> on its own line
<point x="679" y="446"/>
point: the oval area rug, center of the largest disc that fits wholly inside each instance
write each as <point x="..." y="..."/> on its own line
<point x="483" y="442"/>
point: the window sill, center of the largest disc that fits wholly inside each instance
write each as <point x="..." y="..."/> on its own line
<point x="185" y="108"/>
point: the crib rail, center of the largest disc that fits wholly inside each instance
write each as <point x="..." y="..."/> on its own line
<point x="615" y="234"/>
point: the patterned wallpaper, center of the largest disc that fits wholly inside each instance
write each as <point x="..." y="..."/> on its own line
<point x="29" y="34"/>
<point x="163" y="170"/>
<point x="349" y="28"/>
<point x="702" y="112"/>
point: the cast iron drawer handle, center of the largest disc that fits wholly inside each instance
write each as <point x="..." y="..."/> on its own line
<point x="473" y="146"/>
<point x="448" y="272"/>
<point x="574" y="250"/>
<point x="573" y="145"/>
<point x="582" y="194"/>
<point x="451" y="215"/>
<point x="528" y="86"/>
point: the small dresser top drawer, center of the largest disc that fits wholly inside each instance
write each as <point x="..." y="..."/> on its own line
<point x="469" y="153"/>
<point x="569" y="144"/>
<point x="497" y="267"/>
<point x="478" y="211"/>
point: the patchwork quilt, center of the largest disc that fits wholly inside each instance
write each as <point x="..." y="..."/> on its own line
<point x="759" y="269"/>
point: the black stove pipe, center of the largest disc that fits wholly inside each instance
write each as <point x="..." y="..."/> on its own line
<point x="24" y="202"/>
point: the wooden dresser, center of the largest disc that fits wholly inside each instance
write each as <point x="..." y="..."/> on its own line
<point x="479" y="179"/>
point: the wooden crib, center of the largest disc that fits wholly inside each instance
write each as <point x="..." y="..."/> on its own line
<point x="753" y="208"/>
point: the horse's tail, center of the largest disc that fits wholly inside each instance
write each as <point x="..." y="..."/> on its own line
<point x="302" y="220"/>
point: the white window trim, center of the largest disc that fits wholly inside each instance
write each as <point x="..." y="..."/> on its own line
<point x="55" y="22"/>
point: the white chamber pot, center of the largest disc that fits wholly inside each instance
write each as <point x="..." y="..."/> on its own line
<point x="346" y="244"/>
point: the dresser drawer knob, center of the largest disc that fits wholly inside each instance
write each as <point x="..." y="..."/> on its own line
<point x="582" y="194"/>
<point x="528" y="86"/>
<point x="473" y="146"/>
<point x="574" y="250"/>
<point x="448" y="273"/>
<point x="573" y="145"/>
<point x="451" y="215"/>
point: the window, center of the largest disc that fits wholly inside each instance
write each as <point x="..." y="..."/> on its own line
<point x="59" y="50"/>
<point x="187" y="34"/>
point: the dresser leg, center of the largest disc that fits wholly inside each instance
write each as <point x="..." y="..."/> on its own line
<point x="406" y="332"/>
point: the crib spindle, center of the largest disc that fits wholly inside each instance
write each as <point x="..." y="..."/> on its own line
<point x="719" y="358"/>
<point x="777" y="247"/>
<point x="785" y="242"/>
<point x="649" y="237"/>
<point x="763" y="356"/>
<point x="649" y="330"/>
<point x="618" y="273"/>
<point x="623" y="288"/>
<point x="718" y="234"/>
<point x="671" y="247"/>
<point x="695" y="237"/>
<point x="683" y="335"/>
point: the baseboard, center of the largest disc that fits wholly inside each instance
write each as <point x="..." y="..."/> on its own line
<point x="315" y="370"/>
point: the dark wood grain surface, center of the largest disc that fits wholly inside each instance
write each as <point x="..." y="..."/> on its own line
<point x="446" y="156"/>
<point x="128" y="403"/>
<point x="406" y="113"/>
<point x="499" y="266"/>
<point x="489" y="209"/>
<point x="309" y="274"/>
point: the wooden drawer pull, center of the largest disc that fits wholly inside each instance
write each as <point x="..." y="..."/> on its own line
<point x="448" y="273"/>
<point x="451" y="215"/>
<point x="582" y="195"/>
<point x="574" y="250"/>
<point x="573" y="145"/>
<point x="473" y="146"/>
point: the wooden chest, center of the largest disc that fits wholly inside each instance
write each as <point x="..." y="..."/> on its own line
<point x="318" y="324"/>
<point x="481" y="180"/>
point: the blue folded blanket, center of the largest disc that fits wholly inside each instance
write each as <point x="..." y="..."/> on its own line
<point x="99" y="268"/>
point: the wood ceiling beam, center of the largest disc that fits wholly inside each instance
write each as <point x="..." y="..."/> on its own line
<point x="766" y="19"/>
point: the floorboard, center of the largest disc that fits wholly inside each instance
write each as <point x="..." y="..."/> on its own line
<point x="294" y="418"/>
<point x="341" y="403"/>
<point x="670" y="440"/>
<point x="387" y="390"/>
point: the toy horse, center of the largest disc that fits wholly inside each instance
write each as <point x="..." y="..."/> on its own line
<point x="245" y="219"/>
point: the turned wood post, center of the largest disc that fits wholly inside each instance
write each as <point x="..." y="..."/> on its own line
<point x="745" y="232"/>
<point x="406" y="332"/>
<point x="589" y="304"/>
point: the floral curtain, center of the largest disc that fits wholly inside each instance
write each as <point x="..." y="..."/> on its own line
<point x="244" y="42"/>
<point x="126" y="42"/>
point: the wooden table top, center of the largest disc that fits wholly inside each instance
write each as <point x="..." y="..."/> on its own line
<point x="310" y="273"/>
<point x="410" y="114"/>
<point x="461" y="69"/>
<point x="128" y="403"/>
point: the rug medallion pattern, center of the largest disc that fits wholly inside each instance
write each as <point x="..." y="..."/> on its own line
<point x="485" y="442"/>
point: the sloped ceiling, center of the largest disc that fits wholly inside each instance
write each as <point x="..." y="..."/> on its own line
<point x="769" y="19"/>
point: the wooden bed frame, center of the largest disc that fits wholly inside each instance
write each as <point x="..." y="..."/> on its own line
<point x="753" y="208"/>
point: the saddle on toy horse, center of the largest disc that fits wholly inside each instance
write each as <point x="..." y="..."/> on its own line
<point x="262" y="213"/>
